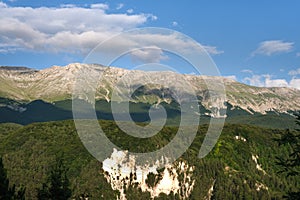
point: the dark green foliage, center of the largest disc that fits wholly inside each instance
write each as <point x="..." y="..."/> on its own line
<point x="151" y="180"/>
<point x="29" y="154"/>
<point x="57" y="186"/>
<point x="290" y="165"/>
<point x="6" y="192"/>
<point x="133" y="192"/>
<point x="20" y="194"/>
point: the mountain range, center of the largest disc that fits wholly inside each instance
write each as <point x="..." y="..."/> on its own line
<point x="30" y="95"/>
<point x="55" y="83"/>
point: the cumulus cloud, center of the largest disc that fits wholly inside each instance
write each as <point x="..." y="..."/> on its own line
<point x="100" y="6"/>
<point x="294" y="72"/>
<point x="67" y="5"/>
<point x="255" y="80"/>
<point x="174" y="23"/>
<point x="172" y="42"/>
<point x="151" y="54"/>
<point x="73" y="29"/>
<point x="295" y="83"/>
<point x="129" y="11"/>
<point x="275" y="82"/>
<point x="232" y="77"/>
<point x="119" y="6"/>
<point x="153" y="17"/>
<point x="62" y="29"/>
<point x="273" y="47"/>
<point x="266" y="80"/>
<point x="212" y="50"/>
<point x="2" y="5"/>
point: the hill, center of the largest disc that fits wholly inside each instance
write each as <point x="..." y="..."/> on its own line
<point x="242" y="165"/>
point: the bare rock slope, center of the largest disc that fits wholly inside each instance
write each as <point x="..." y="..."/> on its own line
<point x="56" y="83"/>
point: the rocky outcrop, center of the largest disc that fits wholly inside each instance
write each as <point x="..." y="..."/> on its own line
<point x="121" y="171"/>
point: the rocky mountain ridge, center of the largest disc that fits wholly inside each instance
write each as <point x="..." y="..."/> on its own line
<point x="56" y="83"/>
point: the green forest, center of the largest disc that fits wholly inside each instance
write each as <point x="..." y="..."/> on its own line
<point x="47" y="158"/>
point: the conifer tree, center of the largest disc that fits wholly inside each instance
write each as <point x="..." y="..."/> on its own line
<point x="291" y="164"/>
<point x="6" y="192"/>
<point x="57" y="186"/>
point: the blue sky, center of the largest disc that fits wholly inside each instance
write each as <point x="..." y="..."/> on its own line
<point x="255" y="42"/>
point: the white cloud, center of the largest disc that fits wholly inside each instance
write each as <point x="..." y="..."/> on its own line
<point x="68" y="6"/>
<point x="266" y="80"/>
<point x="254" y="80"/>
<point x="130" y="11"/>
<point x="295" y="83"/>
<point x="212" y="50"/>
<point x="2" y="5"/>
<point x="153" y="17"/>
<point x="3" y="51"/>
<point x="232" y="77"/>
<point x="272" y="47"/>
<point x="275" y="82"/>
<point x="151" y="44"/>
<point x="151" y="54"/>
<point x="247" y="71"/>
<point x="61" y="29"/>
<point x="100" y="6"/>
<point x="294" y="72"/>
<point x="76" y="30"/>
<point x="298" y="54"/>
<point x="119" y="6"/>
<point x="174" y="23"/>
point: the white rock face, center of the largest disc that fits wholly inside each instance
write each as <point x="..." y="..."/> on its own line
<point x="237" y="137"/>
<point x="211" y="190"/>
<point x="260" y="186"/>
<point x="258" y="166"/>
<point x="120" y="171"/>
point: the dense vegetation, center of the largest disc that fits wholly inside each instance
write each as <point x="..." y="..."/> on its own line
<point x="7" y="190"/>
<point x="30" y="155"/>
<point x="291" y="163"/>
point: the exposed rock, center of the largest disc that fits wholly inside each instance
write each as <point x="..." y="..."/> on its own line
<point x="260" y="186"/>
<point x="56" y="83"/>
<point x="121" y="172"/>
<point x="237" y="137"/>
<point x="258" y="166"/>
<point x="210" y="191"/>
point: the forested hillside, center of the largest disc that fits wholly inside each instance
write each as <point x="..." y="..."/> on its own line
<point x="242" y="165"/>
